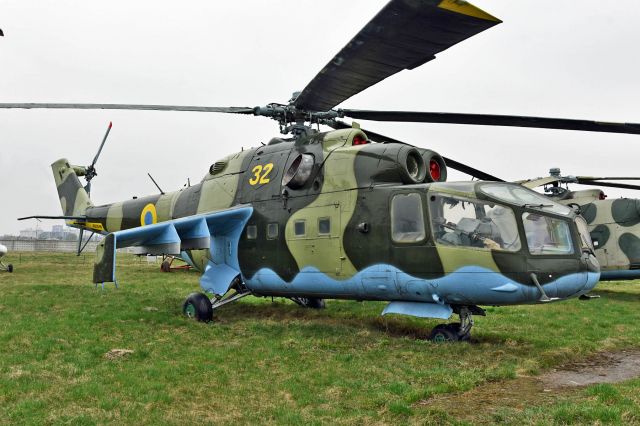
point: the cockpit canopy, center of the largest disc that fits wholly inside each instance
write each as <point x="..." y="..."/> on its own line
<point x="468" y="221"/>
<point x="461" y="221"/>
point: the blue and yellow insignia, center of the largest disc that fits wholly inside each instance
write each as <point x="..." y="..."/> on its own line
<point x="148" y="215"/>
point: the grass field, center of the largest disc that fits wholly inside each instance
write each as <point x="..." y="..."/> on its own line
<point x="274" y="362"/>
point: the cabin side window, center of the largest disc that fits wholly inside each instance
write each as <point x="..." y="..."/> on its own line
<point x="324" y="226"/>
<point x="407" y="218"/>
<point x="299" y="228"/>
<point x="272" y="231"/>
<point x="252" y="232"/>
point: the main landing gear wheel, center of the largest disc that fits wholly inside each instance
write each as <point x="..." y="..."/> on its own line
<point x="310" y="302"/>
<point x="449" y="333"/>
<point x="10" y="268"/>
<point x="457" y="331"/>
<point x="198" y="306"/>
<point x="165" y="266"/>
<point x="442" y="333"/>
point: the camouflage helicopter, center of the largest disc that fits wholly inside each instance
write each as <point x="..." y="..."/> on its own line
<point x="614" y="224"/>
<point x="351" y="214"/>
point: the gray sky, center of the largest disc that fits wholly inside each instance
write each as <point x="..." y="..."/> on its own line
<point x="557" y="58"/>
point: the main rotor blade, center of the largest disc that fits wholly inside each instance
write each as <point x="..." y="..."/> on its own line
<point x="610" y="184"/>
<point x="494" y="120"/>
<point x="403" y="35"/>
<point x="478" y="174"/>
<point x="230" y="110"/>
<point x="534" y="183"/>
<point x="590" y="178"/>
<point x="450" y="163"/>
<point x="582" y="180"/>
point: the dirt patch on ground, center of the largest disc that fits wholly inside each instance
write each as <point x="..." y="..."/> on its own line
<point x="117" y="353"/>
<point x="524" y="392"/>
<point x="605" y="367"/>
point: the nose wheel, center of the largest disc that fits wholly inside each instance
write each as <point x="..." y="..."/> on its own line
<point x="457" y="331"/>
<point x="8" y="268"/>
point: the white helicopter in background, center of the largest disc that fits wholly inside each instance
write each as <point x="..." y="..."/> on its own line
<point x="3" y="267"/>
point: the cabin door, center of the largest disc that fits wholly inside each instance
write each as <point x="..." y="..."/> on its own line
<point x="314" y="237"/>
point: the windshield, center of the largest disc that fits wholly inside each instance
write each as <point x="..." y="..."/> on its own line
<point x="458" y="221"/>
<point x="547" y="235"/>
<point x="525" y="197"/>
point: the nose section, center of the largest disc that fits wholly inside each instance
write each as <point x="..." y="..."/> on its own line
<point x="592" y="270"/>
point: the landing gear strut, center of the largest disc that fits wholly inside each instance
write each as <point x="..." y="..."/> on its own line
<point x="200" y="307"/>
<point x="309" y="302"/>
<point x="457" y="331"/>
<point x="167" y="261"/>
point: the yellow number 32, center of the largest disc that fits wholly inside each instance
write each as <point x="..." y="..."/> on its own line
<point x="260" y="174"/>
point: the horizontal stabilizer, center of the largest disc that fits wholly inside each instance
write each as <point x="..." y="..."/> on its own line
<point x="79" y="218"/>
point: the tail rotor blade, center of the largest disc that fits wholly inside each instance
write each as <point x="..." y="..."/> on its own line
<point x="91" y="169"/>
<point x="104" y="139"/>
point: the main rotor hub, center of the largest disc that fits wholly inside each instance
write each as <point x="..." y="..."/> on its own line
<point x="290" y="114"/>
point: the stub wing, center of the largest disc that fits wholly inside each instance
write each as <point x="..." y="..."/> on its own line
<point x="219" y="232"/>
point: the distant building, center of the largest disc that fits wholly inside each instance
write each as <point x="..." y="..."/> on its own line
<point x="58" y="231"/>
<point x="29" y="233"/>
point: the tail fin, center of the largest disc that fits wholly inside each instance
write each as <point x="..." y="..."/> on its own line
<point x="73" y="197"/>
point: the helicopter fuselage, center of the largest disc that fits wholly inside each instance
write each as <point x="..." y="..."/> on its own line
<point x="336" y="217"/>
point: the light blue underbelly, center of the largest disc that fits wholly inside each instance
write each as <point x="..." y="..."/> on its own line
<point x="471" y="285"/>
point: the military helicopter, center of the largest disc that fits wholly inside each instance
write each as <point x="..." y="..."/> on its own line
<point x="352" y="214"/>
<point x="614" y="224"/>
<point x="3" y="267"/>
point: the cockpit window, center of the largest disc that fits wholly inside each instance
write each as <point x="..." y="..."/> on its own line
<point x="407" y="218"/>
<point x="546" y="235"/>
<point x="585" y="237"/>
<point x="458" y="221"/>
<point x="517" y="194"/>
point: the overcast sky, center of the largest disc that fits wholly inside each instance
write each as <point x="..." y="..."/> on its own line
<point x="557" y="58"/>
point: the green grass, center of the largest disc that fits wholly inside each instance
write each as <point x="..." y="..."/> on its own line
<point x="274" y="362"/>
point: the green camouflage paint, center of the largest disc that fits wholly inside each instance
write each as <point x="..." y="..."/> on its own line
<point x="349" y="190"/>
